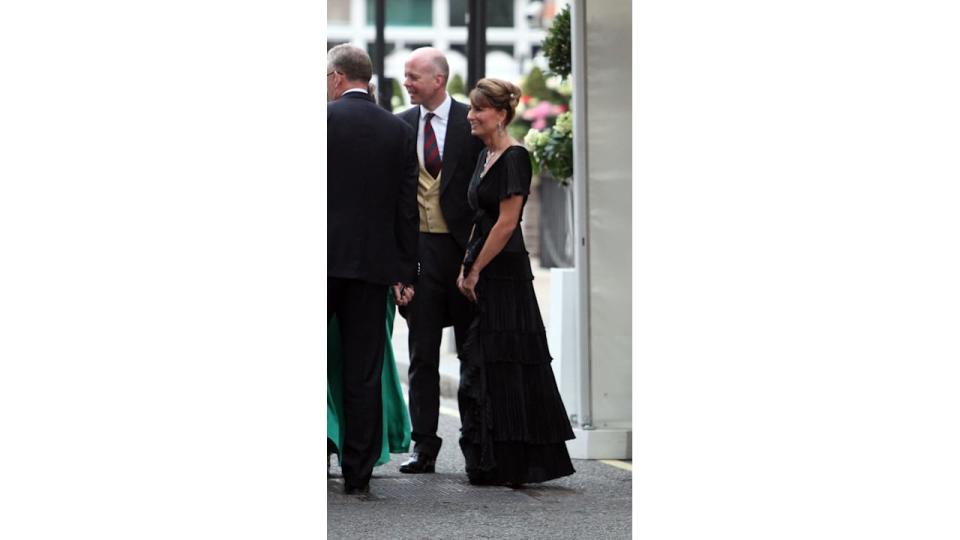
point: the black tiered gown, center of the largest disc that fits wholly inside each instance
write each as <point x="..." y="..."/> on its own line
<point x="514" y="422"/>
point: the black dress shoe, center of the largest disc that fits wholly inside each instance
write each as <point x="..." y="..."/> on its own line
<point x="418" y="464"/>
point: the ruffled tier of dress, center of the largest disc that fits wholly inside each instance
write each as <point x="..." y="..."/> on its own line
<point x="515" y="426"/>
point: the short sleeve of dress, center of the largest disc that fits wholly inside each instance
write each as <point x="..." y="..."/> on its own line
<point x="516" y="181"/>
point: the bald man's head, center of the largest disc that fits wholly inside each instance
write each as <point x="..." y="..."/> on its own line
<point x="434" y="58"/>
<point x="425" y="77"/>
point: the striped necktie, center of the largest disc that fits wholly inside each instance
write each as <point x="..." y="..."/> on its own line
<point x="431" y="151"/>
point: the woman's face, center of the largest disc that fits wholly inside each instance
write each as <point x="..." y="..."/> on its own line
<point x="484" y="119"/>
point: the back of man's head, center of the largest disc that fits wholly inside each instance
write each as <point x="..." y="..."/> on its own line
<point x="352" y="61"/>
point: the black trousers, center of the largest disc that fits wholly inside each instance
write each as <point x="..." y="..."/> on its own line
<point x="436" y="303"/>
<point x="359" y="307"/>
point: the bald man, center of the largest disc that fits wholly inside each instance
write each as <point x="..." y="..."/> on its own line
<point x="448" y="154"/>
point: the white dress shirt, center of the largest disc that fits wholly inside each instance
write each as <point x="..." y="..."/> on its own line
<point x="439" y="124"/>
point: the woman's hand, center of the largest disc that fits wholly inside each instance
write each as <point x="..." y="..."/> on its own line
<point x="468" y="285"/>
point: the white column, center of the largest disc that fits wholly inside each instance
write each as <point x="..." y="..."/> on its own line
<point x="521" y="44"/>
<point x="562" y="335"/>
<point x="358" y="22"/>
<point x="441" y="24"/>
<point x="602" y="180"/>
<point x="580" y="250"/>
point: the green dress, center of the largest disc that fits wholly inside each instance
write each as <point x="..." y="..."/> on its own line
<point x="396" y="419"/>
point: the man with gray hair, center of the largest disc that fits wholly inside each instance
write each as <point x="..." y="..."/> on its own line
<point x="448" y="155"/>
<point x="371" y="245"/>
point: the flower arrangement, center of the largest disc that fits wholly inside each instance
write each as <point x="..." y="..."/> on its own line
<point x="539" y="105"/>
<point x="552" y="148"/>
<point x="537" y="112"/>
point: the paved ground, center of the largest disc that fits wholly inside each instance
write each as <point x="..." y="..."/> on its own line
<point x="593" y="503"/>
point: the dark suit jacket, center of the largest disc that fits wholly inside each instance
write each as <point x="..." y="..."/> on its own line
<point x="372" y="173"/>
<point x="460" y="151"/>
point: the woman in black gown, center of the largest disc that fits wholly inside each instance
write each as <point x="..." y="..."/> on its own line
<point x="514" y="425"/>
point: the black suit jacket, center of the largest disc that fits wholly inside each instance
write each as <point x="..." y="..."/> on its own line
<point x="460" y="152"/>
<point x="372" y="174"/>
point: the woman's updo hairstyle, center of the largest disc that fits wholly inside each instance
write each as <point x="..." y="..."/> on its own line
<point x="497" y="94"/>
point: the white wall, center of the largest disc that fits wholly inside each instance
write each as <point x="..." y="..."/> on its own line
<point x="608" y="102"/>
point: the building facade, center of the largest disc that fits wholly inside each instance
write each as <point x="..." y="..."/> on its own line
<point x="515" y="31"/>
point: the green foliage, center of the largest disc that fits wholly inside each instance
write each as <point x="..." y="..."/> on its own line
<point x="456" y="85"/>
<point x="397" y="90"/>
<point x="556" y="46"/>
<point x="518" y="129"/>
<point x="535" y="85"/>
<point x="552" y="148"/>
<point x="537" y="89"/>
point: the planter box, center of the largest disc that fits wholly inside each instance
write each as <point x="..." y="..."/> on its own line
<point x="556" y="223"/>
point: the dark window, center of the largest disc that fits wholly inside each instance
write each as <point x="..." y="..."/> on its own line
<point x="505" y="48"/>
<point x="404" y="12"/>
<point x="332" y="44"/>
<point x="499" y="13"/>
<point x="458" y="12"/>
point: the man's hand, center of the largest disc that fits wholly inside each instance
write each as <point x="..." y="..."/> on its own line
<point x="468" y="285"/>
<point x="402" y="293"/>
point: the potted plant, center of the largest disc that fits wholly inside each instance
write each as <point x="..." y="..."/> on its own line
<point x="550" y="142"/>
<point x="552" y="148"/>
